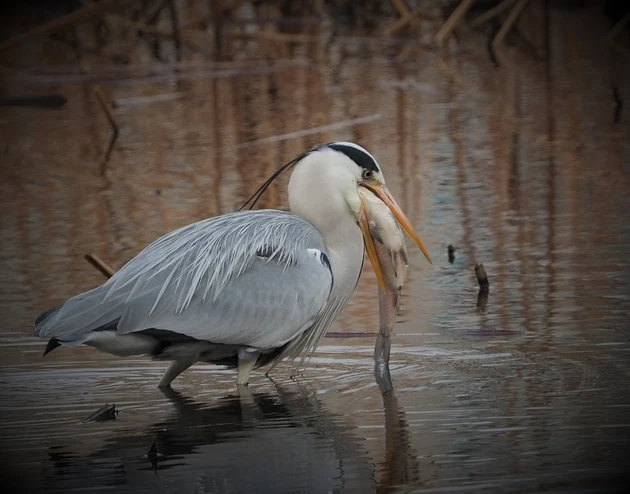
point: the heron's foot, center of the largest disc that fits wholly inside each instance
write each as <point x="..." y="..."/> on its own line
<point x="246" y="360"/>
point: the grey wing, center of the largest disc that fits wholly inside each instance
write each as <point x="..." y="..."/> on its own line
<point x="256" y="278"/>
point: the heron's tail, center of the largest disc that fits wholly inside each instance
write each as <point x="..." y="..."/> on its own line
<point x="53" y="342"/>
<point x="78" y="316"/>
<point x="42" y="317"/>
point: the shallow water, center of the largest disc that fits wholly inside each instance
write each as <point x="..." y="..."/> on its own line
<point x="526" y="391"/>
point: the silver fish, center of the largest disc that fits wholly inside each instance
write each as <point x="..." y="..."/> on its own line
<point x="392" y="255"/>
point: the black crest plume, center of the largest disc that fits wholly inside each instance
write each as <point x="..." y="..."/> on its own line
<point x="251" y="202"/>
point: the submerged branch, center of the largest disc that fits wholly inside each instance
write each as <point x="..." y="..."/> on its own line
<point x="99" y="264"/>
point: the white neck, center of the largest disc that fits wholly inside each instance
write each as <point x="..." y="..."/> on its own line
<point x="320" y="192"/>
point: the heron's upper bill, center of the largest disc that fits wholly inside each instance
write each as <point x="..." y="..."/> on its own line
<point x="380" y="191"/>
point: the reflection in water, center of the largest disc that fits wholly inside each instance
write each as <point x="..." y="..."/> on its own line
<point x="281" y="441"/>
<point x="482" y="299"/>
<point x="255" y="442"/>
<point x="399" y="466"/>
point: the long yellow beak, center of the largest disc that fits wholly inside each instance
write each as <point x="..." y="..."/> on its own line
<point x="383" y="194"/>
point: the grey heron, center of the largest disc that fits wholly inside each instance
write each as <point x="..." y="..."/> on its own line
<point x="244" y="289"/>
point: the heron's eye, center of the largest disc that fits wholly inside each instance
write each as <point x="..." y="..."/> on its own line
<point x="367" y="174"/>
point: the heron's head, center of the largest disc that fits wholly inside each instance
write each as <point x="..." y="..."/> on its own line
<point x="325" y="184"/>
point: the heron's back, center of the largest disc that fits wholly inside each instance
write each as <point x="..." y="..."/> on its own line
<point x="254" y="278"/>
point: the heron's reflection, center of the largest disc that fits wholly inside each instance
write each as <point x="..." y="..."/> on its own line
<point x="285" y="441"/>
<point x="482" y="300"/>
<point x="399" y="465"/>
<point x="280" y="441"/>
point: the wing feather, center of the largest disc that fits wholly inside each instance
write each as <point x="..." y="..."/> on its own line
<point x="207" y="281"/>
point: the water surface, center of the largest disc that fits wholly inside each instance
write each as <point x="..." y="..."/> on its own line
<point x="520" y="168"/>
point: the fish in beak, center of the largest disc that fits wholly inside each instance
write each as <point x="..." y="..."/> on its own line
<point x="391" y="254"/>
<point x="389" y="240"/>
<point x="380" y="192"/>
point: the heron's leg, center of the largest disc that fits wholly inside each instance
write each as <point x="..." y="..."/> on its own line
<point x="175" y="368"/>
<point x="246" y="360"/>
<point x="382" y="348"/>
<point x="383" y="377"/>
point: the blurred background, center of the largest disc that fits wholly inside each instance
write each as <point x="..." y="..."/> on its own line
<point x="502" y="130"/>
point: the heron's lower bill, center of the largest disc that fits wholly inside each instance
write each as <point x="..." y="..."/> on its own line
<point x="370" y="247"/>
<point x="383" y="194"/>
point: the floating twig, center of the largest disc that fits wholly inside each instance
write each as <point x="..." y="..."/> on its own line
<point x="107" y="412"/>
<point x="105" y="106"/>
<point x="99" y="264"/>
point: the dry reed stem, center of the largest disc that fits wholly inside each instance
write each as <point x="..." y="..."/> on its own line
<point x="404" y="12"/>
<point x="491" y="13"/>
<point x="452" y="22"/>
<point x="509" y="22"/>
<point x="411" y="17"/>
